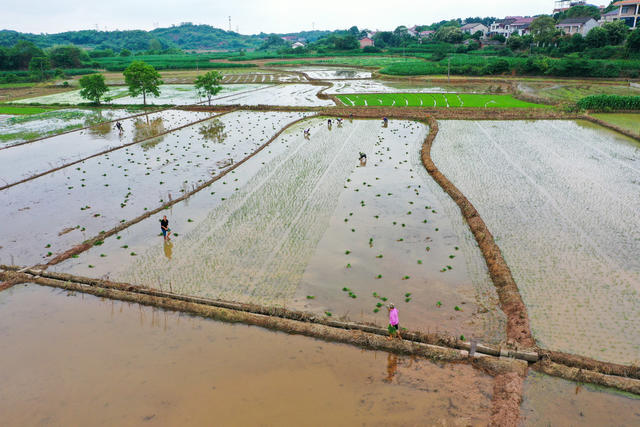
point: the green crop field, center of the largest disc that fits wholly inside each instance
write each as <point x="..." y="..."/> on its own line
<point x="444" y="100"/>
<point x="5" y="109"/>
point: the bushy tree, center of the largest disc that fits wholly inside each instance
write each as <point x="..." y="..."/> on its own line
<point x="544" y="30"/>
<point x="125" y="52"/>
<point x="38" y="65"/>
<point x="93" y="87"/>
<point x="347" y="42"/>
<point x="208" y="84"/>
<point x="580" y="11"/>
<point x="19" y="56"/>
<point x="515" y="42"/>
<point x="68" y="56"/>
<point x="633" y="41"/>
<point x="143" y="79"/>
<point x="449" y="34"/>
<point x="617" y="32"/>
<point x="597" y="37"/>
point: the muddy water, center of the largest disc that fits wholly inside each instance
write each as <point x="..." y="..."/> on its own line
<point x="332" y="73"/>
<point x="554" y="401"/>
<point x="293" y="95"/>
<point x="80" y="360"/>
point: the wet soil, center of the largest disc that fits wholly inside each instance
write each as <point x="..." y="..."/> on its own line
<point x="111" y="363"/>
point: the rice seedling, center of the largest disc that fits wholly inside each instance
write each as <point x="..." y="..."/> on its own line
<point x="456" y="308"/>
<point x="310" y="297"/>
<point x="439" y="304"/>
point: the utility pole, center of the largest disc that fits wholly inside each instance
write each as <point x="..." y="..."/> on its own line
<point x="229" y="23"/>
<point x="449" y="71"/>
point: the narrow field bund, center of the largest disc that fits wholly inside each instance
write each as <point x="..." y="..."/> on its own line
<point x="508" y="366"/>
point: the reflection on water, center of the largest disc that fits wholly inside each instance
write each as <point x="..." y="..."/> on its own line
<point x="102" y="129"/>
<point x="144" y="128"/>
<point x="213" y="131"/>
<point x="115" y="363"/>
<point x="168" y="249"/>
<point x="392" y="366"/>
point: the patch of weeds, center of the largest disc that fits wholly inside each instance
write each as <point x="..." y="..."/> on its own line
<point x="75" y="256"/>
<point x="328" y="313"/>
<point x="462" y="338"/>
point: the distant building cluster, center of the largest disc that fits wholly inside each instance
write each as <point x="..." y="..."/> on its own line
<point x="627" y="11"/>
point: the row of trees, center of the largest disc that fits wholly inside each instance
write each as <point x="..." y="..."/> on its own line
<point x="142" y="79"/>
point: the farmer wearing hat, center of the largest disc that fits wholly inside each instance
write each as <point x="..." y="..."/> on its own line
<point x="394" y="322"/>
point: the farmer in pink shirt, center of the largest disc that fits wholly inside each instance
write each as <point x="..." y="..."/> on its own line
<point x="394" y="322"/>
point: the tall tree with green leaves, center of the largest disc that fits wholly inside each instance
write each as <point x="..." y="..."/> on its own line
<point x="93" y="87"/>
<point x="543" y="30"/>
<point x="208" y="84"/>
<point x="143" y="79"/>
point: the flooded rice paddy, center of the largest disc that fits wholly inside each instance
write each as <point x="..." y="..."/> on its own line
<point x="169" y="95"/>
<point x="554" y="401"/>
<point x="306" y="222"/>
<point x="629" y="121"/>
<point x="263" y="77"/>
<point x="68" y="206"/>
<point x="561" y="199"/>
<point x="332" y="73"/>
<point x="294" y="95"/>
<point x="89" y="361"/>
<point x="30" y="159"/>
<point x="16" y="129"/>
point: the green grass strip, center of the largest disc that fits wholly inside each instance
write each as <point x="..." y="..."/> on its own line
<point x="22" y="110"/>
<point x="442" y="100"/>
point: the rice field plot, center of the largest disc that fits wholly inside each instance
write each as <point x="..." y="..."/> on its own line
<point x="294" y="95"/>
<point x="169" y="95"/>
<point x="436" y="100"/>
<point x="555" y="401"/>
<point x="573" y="92"/>
<point x="51" y="213"/>
<point x="16" y="129"/>
<point x="380" y="86"/>
<point x="561" y="199"/>
<point x="30" y="159"/>
<point x="332" y="73"/>
<point x="183" y="217"/>
<point x="390" y="240"/>
<point x="630" y="122"/>
<point x="281" y="237"/>
<point x="262" y="78"/>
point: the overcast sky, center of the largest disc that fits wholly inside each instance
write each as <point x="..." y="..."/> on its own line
<point x="250" y="16"/>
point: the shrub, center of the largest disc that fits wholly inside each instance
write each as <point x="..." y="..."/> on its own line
<point x="609" y="102"/>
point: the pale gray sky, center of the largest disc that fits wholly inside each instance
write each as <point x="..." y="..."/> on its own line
<point x="250" y="16"/>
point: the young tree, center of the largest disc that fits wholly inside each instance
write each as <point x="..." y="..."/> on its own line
<point x="93" y="87"/>
<point x="143" y="79"/>
<point x="208" y="84"/>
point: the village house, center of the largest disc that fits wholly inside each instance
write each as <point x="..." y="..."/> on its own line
<point x="521" y="26"/>
<point x="629" y="12"/>
<point x="503" y="27"/>
<point x="609" y="16"/>
<point x="366" y="41"/>
<point x="297" y="45"/>
<point x="580" y="26"/>
<point x="426" y="34"/>
<point x="474" y="27"/>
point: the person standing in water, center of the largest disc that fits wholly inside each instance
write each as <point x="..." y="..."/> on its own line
<point x="164" y="226"/>
<point x="394" y="322"/>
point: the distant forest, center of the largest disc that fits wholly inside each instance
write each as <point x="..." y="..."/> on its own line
<point x="185" y="37"/>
